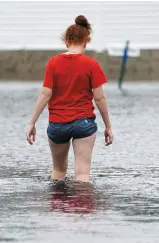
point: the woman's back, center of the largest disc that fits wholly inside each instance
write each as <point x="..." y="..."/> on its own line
<point x="71" y="81"/>
<point x="72" y="78"/>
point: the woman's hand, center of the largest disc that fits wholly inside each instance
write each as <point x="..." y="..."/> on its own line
<point x="41" y="103"/>
<point x="31" y="133"/>
<point x="108" y="136"/>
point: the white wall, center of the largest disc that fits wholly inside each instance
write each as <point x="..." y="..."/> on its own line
<point x="39" y="24"/>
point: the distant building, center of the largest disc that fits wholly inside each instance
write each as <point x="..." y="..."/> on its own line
<point x="37" y="25"/>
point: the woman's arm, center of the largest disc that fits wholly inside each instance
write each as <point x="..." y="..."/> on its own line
<point x="41" y="103"/>
<point x="101" y="103"/>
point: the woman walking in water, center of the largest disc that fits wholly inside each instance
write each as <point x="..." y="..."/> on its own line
<point x="72" y="80"/>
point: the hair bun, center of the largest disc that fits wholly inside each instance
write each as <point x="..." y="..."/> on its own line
<point x="82" y="21"/>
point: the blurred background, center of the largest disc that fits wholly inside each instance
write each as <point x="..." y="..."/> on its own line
<point x="121" y="204"/>
<point x="30" y="33"/>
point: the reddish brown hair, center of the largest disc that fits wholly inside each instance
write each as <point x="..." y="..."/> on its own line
<point x="78" y="32"/>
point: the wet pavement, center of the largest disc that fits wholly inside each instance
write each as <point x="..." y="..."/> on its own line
<point x="122" y="202"/>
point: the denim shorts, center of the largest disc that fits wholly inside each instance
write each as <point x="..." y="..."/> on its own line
<point x="62" y="132"/>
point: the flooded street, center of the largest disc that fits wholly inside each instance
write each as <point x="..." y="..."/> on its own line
<point x="121" y="205"/>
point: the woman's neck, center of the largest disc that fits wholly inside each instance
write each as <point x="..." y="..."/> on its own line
<point x="76" y="49"/>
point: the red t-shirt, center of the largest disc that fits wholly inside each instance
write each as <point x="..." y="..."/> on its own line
<point x="72" y="78"/>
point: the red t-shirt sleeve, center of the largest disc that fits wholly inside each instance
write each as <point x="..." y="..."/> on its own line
<point x="48" y="77"/>
<point x="97" y="76"/>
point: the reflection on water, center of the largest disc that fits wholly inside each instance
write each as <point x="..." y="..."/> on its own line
<point x="68" y="198"/>
<point x="76" y="197"/>
<point x="121" y="204"/>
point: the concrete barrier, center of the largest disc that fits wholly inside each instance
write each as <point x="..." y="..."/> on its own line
<point x="30" y="65"/>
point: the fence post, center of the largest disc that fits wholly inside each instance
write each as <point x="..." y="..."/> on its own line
<point x="123" y="65"/>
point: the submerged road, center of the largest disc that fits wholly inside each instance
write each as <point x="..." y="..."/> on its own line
<point x="122" y="202"/>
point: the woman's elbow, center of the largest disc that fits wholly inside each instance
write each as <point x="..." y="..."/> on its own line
<point x="46" y="92"/>
<point x="99" y="98"/>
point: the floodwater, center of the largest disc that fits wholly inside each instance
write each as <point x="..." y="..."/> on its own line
<point x="122" y="202"/>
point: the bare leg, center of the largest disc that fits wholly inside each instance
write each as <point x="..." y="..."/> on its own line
<point x="60" y="159"/>
<point x="83" y="152"/>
